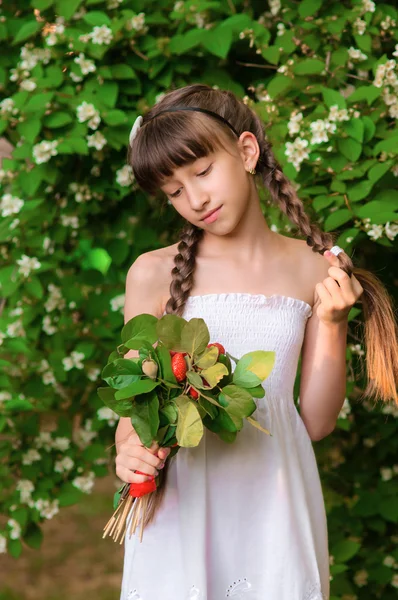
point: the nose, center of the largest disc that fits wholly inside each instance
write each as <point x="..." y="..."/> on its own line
<point x="198" y="199"/>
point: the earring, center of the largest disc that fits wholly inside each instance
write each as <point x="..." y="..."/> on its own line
<point x="252" y="171"/>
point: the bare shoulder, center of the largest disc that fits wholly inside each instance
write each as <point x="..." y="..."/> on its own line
<point x="312" y="266"/>
<point x="149" y="277"/>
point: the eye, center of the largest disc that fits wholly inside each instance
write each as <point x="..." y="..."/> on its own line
<point x="175" y="195"/>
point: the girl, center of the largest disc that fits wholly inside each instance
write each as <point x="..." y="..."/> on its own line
<point x="243" y="520"/>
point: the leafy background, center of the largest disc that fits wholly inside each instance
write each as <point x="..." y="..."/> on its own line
<point x="74" y="75"/>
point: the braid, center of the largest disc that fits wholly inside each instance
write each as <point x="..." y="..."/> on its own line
<point x="183" y="272"/>
<point x="284" y="194"/>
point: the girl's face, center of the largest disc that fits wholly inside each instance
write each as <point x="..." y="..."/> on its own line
<point x="218" y="181"/>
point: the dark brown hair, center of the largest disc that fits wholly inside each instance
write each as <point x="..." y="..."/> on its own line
<point x="176" y="139"/>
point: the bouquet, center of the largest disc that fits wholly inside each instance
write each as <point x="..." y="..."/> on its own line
<point x="178" y="384"/>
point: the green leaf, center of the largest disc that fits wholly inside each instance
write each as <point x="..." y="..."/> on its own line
<point x="121" y="372"/>
<point x="97" y="258"/>
<point x="217" y="41"/>
<point x="355" y="129"/>
<point x="368" y="93"/>
<point x="115" y="117"/>
<point x="122" y="407"/>
<point x="208" y="358"/>
<point x="271" y="54"/>
<point x="307" y="8"/>
<point x="29" y="129"/>
<point x="309" y="66"/>
<point x="336" y="219"/>
<point x="253" y="367"/>
<point x="279" y="85"/>
<point x="189" y="426"/>
<point x="388" y="145"/>
<point x="138" y="329"/>
<point x="136" y="388"/>
<point x="57" y="119"/>
<point x="14" y="548"/>
<point x="164" y="357"/>
<point x="145" y="417"/>
<point x="194" y="336"/>
<point x="34" y="287"/>
<point x="97" y="18"/>
<point x="69" y="494"/>
<point x="123" y="72"/>
<point x="332" y="97"/>
<point x="67" y="8"/>
<point x="388" y="509"/>
<point x="169" y="329"/>
<point x="33" y="536"/>
<point x="345" y="550"/>
<point x="349" y="148"/>
<point x="214" y="374"/>
<point x="26" y="31"/>
<point x="369" y="129"/>
<point x="108" y="92"/>
<point x="360" y="191"/>
<point x="239" y="401"/>
<point x="377" y="172"/>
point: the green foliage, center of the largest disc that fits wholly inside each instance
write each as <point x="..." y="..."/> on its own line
<point x="323" y="78"/>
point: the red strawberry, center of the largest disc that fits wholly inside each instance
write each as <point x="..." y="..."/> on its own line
<point x="221" y="349"/>
<point x="172" y="353"/>
<point x="179" y="366"/>
<point x="193" y="393"/>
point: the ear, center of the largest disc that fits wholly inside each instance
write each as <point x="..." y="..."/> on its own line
<point x="249" y="149"/>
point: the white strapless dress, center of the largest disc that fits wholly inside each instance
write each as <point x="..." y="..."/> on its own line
<point x="244" y="520"/>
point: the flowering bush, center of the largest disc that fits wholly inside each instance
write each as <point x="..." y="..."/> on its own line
<point x="74" y="75"/>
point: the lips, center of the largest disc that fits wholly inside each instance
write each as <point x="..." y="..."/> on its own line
<point x="210" y="213"/>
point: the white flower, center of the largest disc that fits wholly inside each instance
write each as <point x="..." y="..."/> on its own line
<point x="387" y="23"/>
<point x="345" y="409"/>
<point x="369" y="442"/>
<point x="27" y="265"/>
<point x="16" y="329"/>
<point x="31" y="456"/>
<point x="117" y="303"/>
<point x="54" y="298"/>
<point x="93" y="374"/>
<point x="386" y="473"/>
<point x="70" y="221"/>
<point x="107" y="414"/>
<point x="64" y="465"/>
<point x="7" y="107"/>
<point x="101" y="35"/>
<point x="25" y="487"/>
<point x="48" y="327"/>
<point x="137" y="23"/>
<point x="275" y="6"/>
<point x="48" y="378"/>
<point x="361" y="578"/>
<point x="336" y="114"/>
<point x="43" y="440"/>
<point x="281" y="28"/>
<point x="356" y="54"/>
<point x="43" y="151"/>
<point x="391" y="230"/>
<point x="375" y="232"/>
<point x="294" y="123"/>
<point x="85" y="484"/>
<point x="73" y="361"/>
<point x="28" y="85"/>
<point x="359" y="26"/>
<point x="76" y="78"/>
<point x="15" y="532"/>
<point x="61" y="443"/>
<point x="87" y="66"/>
<point x="389" y="561"/>
<point x="10" y="205"/>
<point x="393" y="111"/>
<point x="394" y="581"/>
<point x="113" y="4"/>
<point x="368" y="6"/>
<point x="88" y="112"/>
<point x="97" y="140"/>
<point x="296" y="152"/>
<point x="319" y="130"/>
<point x="125" y="176"/>
<point x="46" y="508"/>
<point x="3" y="544"/>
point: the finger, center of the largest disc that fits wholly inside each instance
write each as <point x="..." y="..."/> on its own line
<point x="345" y="282"/>
<point x="128" y="476"/>
<point x="324" y="294"/>
<point x="335" y="292"/>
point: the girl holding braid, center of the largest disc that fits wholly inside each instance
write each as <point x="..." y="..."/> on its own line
<point x="243" y="520"/>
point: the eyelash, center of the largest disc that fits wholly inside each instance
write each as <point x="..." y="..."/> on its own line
<point x="203" y="173"/>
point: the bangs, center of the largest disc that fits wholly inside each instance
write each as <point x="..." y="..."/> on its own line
<point x="171" y="141"/>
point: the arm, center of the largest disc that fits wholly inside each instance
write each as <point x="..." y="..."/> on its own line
<point x="323" y="370"/>
<point x="143" y="294"/>
<point x="323" y="375"/>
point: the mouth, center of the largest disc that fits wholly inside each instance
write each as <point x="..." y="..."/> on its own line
<point x="211" y="216"/>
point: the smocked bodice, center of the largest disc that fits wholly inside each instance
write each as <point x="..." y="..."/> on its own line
<point x="245" y="322"/>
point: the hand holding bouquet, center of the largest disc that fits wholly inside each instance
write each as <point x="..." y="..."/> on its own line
<point x="179" y="384"/>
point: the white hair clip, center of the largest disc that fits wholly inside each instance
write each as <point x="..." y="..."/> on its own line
<point x="336" y="250"/>
<point x="135" y="128"/>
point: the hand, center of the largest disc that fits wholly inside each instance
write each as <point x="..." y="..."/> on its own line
<point x="337" y="293"/>
<point x="133" y="455"/>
